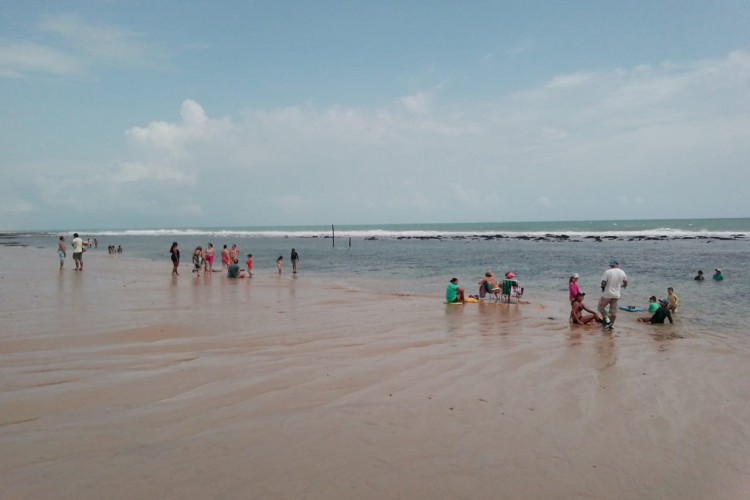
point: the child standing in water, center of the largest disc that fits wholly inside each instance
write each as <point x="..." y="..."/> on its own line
<point x="279" y="263"/>
<point x="250" y="265"/>
<point x="61" y="251"/>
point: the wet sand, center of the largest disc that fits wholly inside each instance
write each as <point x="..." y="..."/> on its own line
<point x="122" y="382"/>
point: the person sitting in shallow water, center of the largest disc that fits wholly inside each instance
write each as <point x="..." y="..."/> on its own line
<point x="454" y="293"/>
<point x="660" y="315"/>
<point x="576" y="311"/>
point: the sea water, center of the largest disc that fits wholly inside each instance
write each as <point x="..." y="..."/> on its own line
<point x="421" y="258"/>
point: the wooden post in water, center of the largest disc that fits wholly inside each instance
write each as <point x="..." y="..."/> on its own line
<point x="333" y="235"/>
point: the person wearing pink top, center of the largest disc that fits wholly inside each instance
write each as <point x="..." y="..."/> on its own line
<point x="573" y="287"/>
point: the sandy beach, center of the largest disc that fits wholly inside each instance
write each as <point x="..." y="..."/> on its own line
<point x="122" y="382"/>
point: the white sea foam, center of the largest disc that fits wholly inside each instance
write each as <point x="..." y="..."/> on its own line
<point x="669" y="233"/>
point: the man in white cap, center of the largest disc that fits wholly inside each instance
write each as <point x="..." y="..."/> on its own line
<point x="613" y="280"/>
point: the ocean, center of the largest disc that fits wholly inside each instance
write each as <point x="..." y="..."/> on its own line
<point x="421" y="258"/>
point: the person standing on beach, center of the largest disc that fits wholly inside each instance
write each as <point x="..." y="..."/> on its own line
<point x="224" y="258"/>
<point x="174" y="254"/>
<point x="78" y="245"/>
<point x="613" y="280"/>
<point x="209" y="260"/>
<point x="197" y="260"/>
<point x="234" y="254"/>
<point x="61" y="251"/>
<point x="249" y="265"/>
<point x="280" y="263"/>
<point x="573" y="287"/>
<point x="295" y="259"/>
<point x="454" y="293"/>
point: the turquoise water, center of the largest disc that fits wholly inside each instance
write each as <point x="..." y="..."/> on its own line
<point x="421" y="258"/>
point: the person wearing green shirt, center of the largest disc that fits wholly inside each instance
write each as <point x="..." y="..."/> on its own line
<point x="717" y="275"/>
<point x="454" y="293"/>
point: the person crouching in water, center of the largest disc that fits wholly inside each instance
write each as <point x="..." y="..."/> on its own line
<point x="660" y="315"/>
<point x="576" y="311"/>
<point x="454" y="293"/>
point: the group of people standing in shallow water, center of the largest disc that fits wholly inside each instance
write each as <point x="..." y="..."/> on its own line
<point x="613" y="281"/>
<point x="203" y="261"/>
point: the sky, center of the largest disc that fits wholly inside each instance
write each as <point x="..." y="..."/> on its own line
<point x="178" y="114"/>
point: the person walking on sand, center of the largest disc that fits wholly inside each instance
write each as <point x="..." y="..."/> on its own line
<point x="78" y="245"/>
<point x="280" y="263"/>
<point x="576" y="311"/>
<point x="174" y="254"/>
<point x="295" y="259"/>
<point x="61" y="253"/>
<point x="613" y="280"/>
<point x="224" y="259"/>
<point x="454" y="293"/>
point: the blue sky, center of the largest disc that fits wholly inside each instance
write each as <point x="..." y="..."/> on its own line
<point x="160" y="114"/>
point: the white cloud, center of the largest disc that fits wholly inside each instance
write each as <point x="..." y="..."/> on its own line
<point x="76" y="46"/>
<point x="293" y="158"/>
<point x="104" y="42"/>
<point x="554" y="133"/>
<point x="26" y="58"/>
<point x="138" y="172"/>
<point x="571" y="81"/>
<point x="420" y="158"/>
<point x="420" y="102"/>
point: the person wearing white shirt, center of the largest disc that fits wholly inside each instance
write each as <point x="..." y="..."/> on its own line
<point x="613" y="280"/>
<point x="78" y="245"/>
